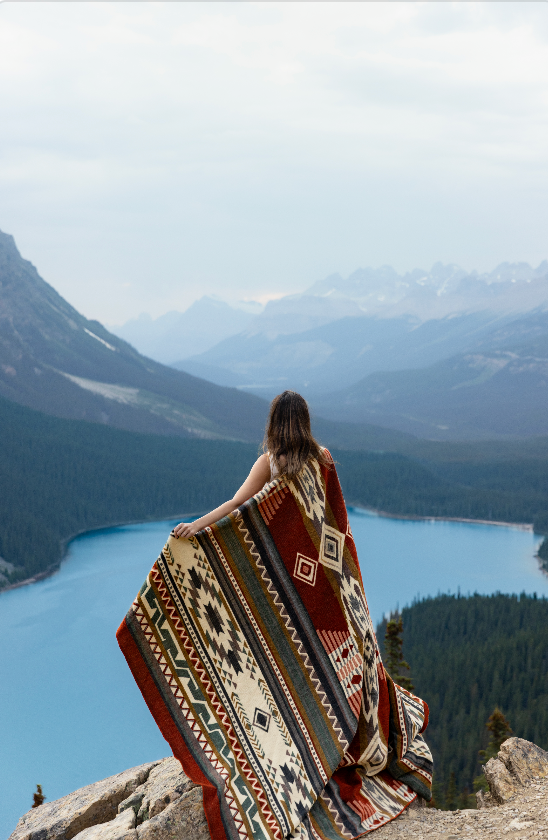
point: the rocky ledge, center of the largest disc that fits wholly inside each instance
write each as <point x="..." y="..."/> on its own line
<point x="158" y="802"/>
<point x="151" y="802"/>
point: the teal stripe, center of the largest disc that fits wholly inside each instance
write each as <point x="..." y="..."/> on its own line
<point x="276" y="636"/>
<point x="319" y="815"/>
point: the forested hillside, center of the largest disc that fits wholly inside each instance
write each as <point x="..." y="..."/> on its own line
<point x="467" y="656"/>
<point x="59" y="477"/>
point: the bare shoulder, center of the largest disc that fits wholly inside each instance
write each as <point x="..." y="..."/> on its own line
<point x="261" y="468"/>
<point x="327" y="454"/>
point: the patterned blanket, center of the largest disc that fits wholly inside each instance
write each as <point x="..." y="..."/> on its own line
<point x="254" y="649"/>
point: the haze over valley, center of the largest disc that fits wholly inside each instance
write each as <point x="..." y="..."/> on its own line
<point x="475" y="346"/>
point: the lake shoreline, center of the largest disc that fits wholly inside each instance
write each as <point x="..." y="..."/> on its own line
<point x="522" y="526"/>
<point x="52" y="570"/>
<point x="519" y="526"/>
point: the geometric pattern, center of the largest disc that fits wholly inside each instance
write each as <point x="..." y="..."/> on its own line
<point x="332" y="546"/>
<point x="253" y="647"/>
<point x="305" y="569"/>
<point x="347" y="662"/>
<point x="261" y="719"/>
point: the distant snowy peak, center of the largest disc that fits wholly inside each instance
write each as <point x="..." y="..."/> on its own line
<point x="382" y="290"/>
<point x="515" y="273"/>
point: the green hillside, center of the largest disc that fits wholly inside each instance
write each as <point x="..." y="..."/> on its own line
<point x="469" y="655"/>
<point x="59" y="477"/>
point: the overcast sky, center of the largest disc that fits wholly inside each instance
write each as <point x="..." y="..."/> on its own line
<point x="154" y="152"/>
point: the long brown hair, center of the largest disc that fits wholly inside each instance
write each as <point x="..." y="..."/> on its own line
<point x="288" y="434"/>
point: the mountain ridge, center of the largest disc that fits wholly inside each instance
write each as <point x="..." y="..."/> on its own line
<point x="499" y="388"/>
<point x="55" y="360"/>
<point x="341" y="330"/>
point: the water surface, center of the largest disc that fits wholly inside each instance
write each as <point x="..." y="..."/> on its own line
<point x="71" y="713"/>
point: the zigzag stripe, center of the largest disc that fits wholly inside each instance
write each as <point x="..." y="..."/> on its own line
<point x="213" y="692"/>
<point x="335" y="814"/>
<point x="268" y="652"/>
<point x="191" y="720"/>
<point x="294" y="636"/>
<point x="204" y="743"/>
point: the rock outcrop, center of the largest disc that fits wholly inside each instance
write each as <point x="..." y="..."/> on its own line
<point x="152" y="802"/>
<point x="158" y="802"/>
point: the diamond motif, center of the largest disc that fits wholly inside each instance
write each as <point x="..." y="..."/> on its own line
<point x="331" y="550"/>
<point x="305" y="569"/>
<point x="261" y="719"/>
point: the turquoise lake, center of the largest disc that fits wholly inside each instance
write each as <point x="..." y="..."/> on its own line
<point x="69" y="709"/>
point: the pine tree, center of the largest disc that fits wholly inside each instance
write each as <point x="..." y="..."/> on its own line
<point x="393" y="645"/>
<point x="438" y="796"/>
<point x="466" y="799"/>
<point x="451" y="793"/>
<point x="499" y="729"/>
<point x="38" y="797"/>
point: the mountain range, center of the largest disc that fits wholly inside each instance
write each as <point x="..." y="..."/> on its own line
<point x="500" y="388"/>
<point x="443" y="355"/>
<point x="368" y="375"/>
<point x="55" y="360"/>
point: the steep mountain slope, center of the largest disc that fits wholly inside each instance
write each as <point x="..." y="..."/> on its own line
<point x="501" y="388"/>
<point x="55" y="360"/>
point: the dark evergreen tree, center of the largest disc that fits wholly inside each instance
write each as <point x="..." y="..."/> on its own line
<point x="466" y="799"/>
<point x="451" y="793"/>
<point x="393" y="647"/>
<point x="468" y="656"/>
<point x="38" y="797"/>
<point x="438" y="795"/>
<point x="499" y="730"/>
<point x="542" y="554"/>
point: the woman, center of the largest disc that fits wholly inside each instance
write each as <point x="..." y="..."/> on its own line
<point x="253" y="646"/>
<point x="287" y="445"/>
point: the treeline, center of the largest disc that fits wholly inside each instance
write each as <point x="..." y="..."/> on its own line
<point x="513" y="490"/>
<point x="394" y="483"/>
<point x="59" y="477"/>
<point x="468" y="656"/>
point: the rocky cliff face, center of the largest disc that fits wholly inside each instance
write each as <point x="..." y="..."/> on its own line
<point x="158" y="802"/>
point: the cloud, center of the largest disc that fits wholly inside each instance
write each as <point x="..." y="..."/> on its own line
<point x="248" y="149"/>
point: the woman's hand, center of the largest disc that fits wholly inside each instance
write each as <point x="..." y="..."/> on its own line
<point x="259" y="475"/>
<point x="185" y="529"/>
